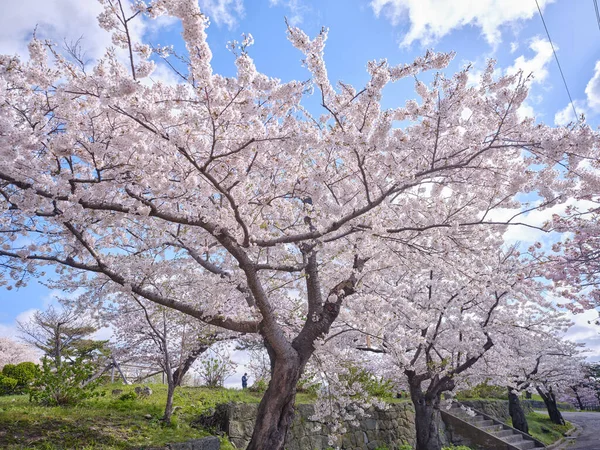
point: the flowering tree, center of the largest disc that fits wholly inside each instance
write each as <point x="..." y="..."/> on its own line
<point x="154" y="334"/>
<point x="13" y="352"/>
<point x="576" y="265"/>
<point x="540" y="360"/>
<point x="438" y="317"/>
<point x="225" y="199"/>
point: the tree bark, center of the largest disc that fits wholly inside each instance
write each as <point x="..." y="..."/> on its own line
<point x="183" y="369"/>
<point x="550" y="402"/>
<point x="427" y="416"/>
<point x="276" y="409"/>
<point x="519" y="421"/>
<point x="169" y="406"/>
<point x="578" y="397"/>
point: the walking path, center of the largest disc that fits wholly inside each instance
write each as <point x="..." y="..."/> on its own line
<point x="589" y="436"/>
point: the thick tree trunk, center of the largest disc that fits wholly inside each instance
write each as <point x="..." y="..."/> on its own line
<point x="550" y="402"/>
<point x="427" y="418"/>
<point x="276" y="409"/>
<point x="519" y="421"/>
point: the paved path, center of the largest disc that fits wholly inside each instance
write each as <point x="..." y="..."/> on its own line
<point x="589" y="422"/>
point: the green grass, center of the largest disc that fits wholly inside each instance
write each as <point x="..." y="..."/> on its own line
<point x="110" y="424"/>
<point x="542" y="428"/>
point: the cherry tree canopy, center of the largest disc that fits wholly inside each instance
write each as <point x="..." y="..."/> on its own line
<point x="226" y="199"/>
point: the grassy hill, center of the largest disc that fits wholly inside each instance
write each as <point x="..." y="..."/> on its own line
<point x="109" y="423"/>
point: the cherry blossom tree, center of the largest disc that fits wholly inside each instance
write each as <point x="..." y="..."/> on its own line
<point x="229" y="201"/>
<point x="14" y="352"/>
<point x="153" y="334"/>
<point x="442" y="313"/>
<point x="540" y="360"/>
<point x="576" y="262"/>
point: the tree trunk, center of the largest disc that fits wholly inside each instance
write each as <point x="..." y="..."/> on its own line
<point x="519" y="421"/>
<point x="276" y="409"/>
<point x="183" y="368"/>
<point x="550" y="402"/>
<point x="169" y="405"/>
<point x="427" y="418"/>
<point x="579" y="402"/>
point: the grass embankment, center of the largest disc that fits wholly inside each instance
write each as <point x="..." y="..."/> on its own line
<point x="542" y="428"/>
<point x="108" y="423"/>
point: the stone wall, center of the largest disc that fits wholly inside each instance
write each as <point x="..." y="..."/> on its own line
<point x="391" y="427"/>
<point x="495" y="408"/>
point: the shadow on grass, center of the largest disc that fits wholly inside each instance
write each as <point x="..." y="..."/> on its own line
<point x="55" y="434"/>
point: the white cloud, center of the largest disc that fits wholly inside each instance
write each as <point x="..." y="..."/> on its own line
<point x="585" y="331"/>
<point x="514" y="46"/>
<point x="431" y="20"/>
<point x="223" y="12"/>
<point x="566" y="115"/>
<point x="592" y="90"/>
<point x="55" y="20"/>
<point x="296" y="8"/>
<point x="538" y="64"/>
<point x="10" y="329"/>
<point x="528" y="235"/>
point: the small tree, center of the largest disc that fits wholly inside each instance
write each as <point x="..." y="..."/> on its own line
<point x="215" y="367"/>
<point x="61" y="335"/>
<point x="65" y="385"/>
<point x="147" y="333"/>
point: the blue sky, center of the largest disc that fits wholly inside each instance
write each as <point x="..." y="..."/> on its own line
<point x="509" y="31"/>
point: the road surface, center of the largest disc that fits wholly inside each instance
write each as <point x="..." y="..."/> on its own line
<point x="589" y="422"/>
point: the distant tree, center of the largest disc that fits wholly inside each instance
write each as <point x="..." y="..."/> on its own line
<point x="151" y="334"/>
<point x="62" y="335"/>
<point x="14" y="352"/>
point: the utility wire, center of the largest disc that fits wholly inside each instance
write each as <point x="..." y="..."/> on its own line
<point x="556" y="57"/>
<point x="597" y="12"/>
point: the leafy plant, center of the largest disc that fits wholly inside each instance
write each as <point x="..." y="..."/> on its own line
<point x="7" y="385"/>
<point x="259" y="386"/>
<point x="128" y="396"/>
<point x="67" y="384"/>
<point x="16" y="378"/>
<point x="375" y="386"/>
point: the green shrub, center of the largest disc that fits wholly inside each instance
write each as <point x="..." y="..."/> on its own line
<point x="8" y="385"/>
<point x="375" y="386"/>
<point x="8" y="369"/>
<point x="484" y="390"/>
<point x="128" y="396"/>
<point x="259" y="385"/>
<point x="66" y="385"/>
<point x="23" y="373"/>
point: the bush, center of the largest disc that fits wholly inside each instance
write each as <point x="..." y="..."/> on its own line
<point x="65" y="385"/>
<point x="24" y="373"/>
<point x="128" y="396"/>
<point x="374" y="386"/>
<point x="8" y="385"/>
<point x="484" y="390"/>
<point x="260" y="385"/>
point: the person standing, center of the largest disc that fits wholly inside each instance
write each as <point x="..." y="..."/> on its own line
<point x="245" y="381"/>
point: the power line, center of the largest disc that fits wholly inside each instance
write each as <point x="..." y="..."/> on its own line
<point x="597" y="12"/>
<point x="556" y="57"/>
